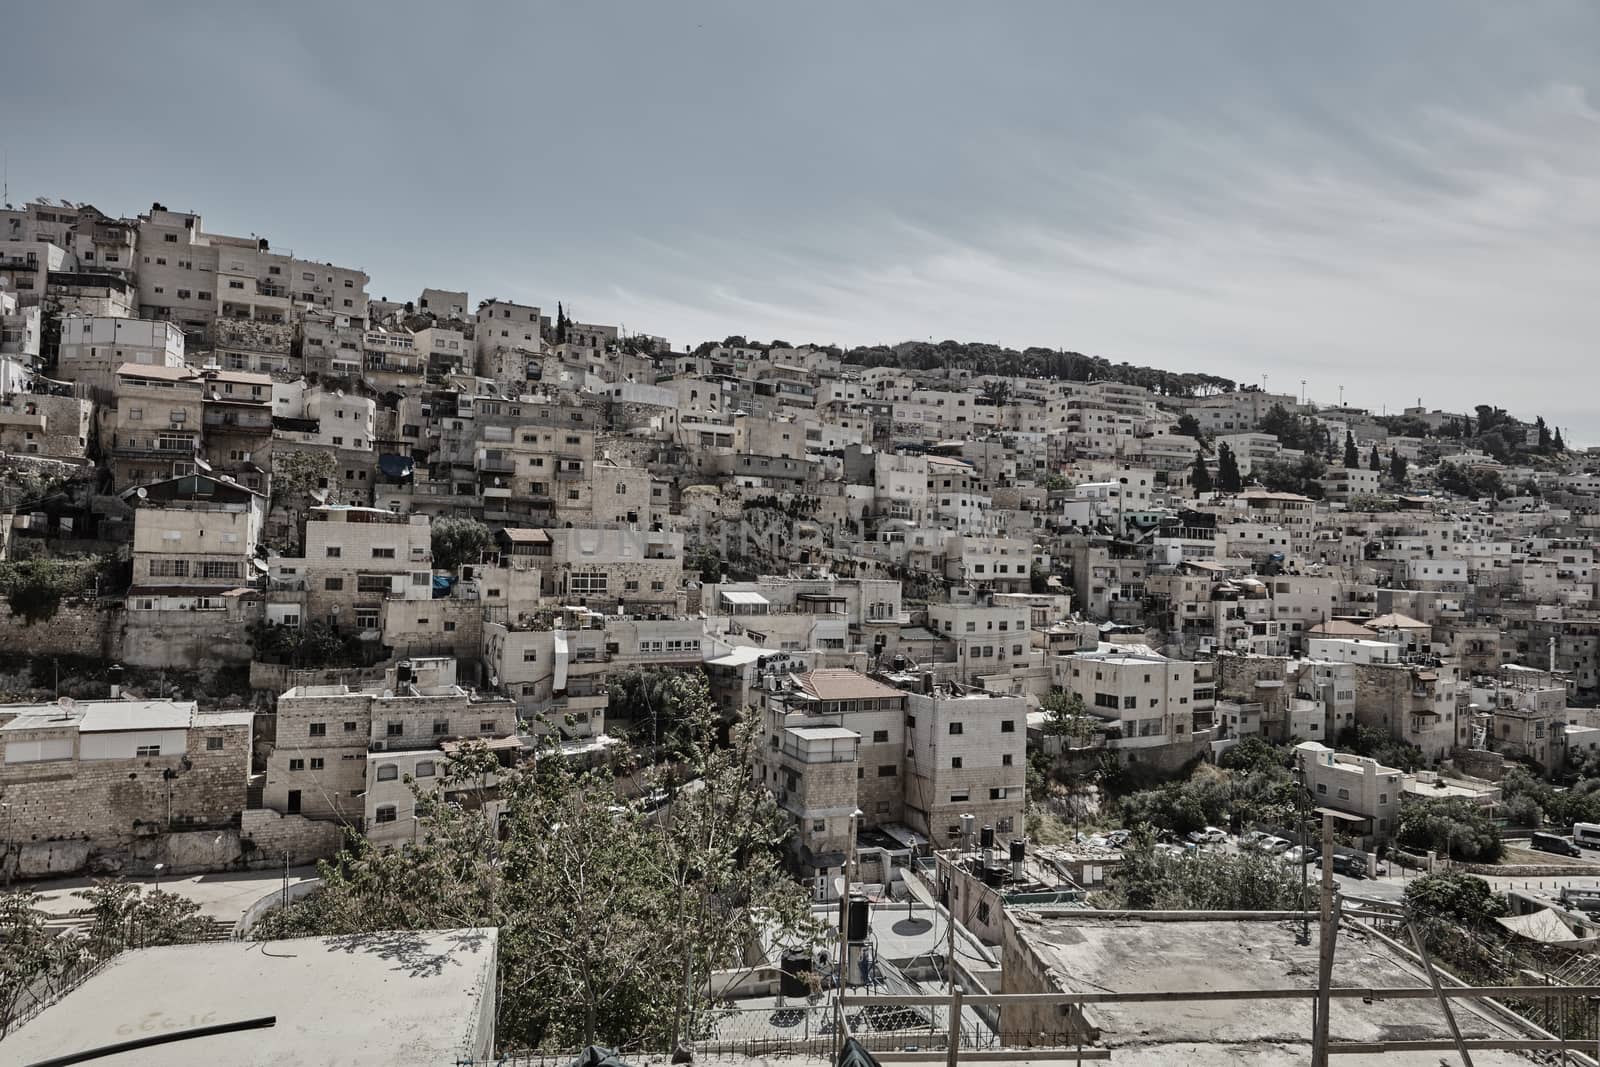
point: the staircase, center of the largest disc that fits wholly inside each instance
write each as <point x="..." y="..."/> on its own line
<point x="255" y="793"/>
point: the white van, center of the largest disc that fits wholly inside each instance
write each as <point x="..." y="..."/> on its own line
<point x="1586" y="834"/>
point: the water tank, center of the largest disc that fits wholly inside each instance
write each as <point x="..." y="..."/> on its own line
<point x="986" y="837"/>
<point x="899" y="663"/>
<point x="794" y="973"/>
<point x="967" y="823"/>
<point x="1019" y="849"/>
<point x="856" y="928"/>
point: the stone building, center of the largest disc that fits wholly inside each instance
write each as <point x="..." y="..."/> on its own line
<point x="334" y="741"/>
<point x="108" y="776"/>
<point x="43" y="424"/>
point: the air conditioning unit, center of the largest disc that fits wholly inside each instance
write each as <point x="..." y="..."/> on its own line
<point x="378" y="746"/>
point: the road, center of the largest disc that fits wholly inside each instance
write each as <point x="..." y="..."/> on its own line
<point x="223" y="895"/>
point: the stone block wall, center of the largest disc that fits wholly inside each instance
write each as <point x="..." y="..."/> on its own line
<point x="78" y="628"/>
<point x="271" y="835"/>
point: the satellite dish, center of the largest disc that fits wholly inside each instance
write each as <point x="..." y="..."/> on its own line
<point x="141" y="492"/>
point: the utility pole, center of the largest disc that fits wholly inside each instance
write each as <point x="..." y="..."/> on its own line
<point x="1330" y="928"/>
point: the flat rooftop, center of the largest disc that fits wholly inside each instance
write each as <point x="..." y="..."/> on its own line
<point x="1085" y="954"/>
<point x="402" y="998"/>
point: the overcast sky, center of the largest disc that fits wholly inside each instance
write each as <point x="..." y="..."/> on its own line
<point x="1400" y="198"/>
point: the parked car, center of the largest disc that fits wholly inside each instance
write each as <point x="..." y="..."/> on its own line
<point x="1211" y="835"/>
<point x="1561" y="846"/>
<point x="1256" y="839"/>
<point x="1300" y="854"/>
<point x="1118" y="838"/>
<point x="1276" y="845"/>
<point x="1349" y="866"/>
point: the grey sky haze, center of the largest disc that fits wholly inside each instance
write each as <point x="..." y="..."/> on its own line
<point x="1403" y="199"/>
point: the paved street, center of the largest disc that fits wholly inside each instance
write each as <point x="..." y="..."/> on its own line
<point x="220" y="896"/>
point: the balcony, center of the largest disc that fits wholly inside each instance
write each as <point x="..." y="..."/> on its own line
<point x="497" y="466"/>
<point x="567" y="474"/>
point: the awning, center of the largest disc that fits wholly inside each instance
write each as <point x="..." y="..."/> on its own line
<point x="1542" y="925"/>
<point x="747" y="599"/>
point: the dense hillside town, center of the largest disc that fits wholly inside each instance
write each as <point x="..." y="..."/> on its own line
<point x="290" y="571"/>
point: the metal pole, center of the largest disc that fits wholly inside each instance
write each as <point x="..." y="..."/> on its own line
<point x="952" y="1053"/>
<point x="844" y="930"/>
<point x="1444" y="1003"/>
<point x="1319" y="1022"/>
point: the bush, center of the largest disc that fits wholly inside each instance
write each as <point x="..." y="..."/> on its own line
<point x="1249" y="881"/>
<point x="1455" y="827"/>
<point x="1454" y="897"/>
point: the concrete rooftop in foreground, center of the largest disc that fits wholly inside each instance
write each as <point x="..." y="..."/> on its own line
<point x="398" y="999"/>
<point x="1089" y="955"/>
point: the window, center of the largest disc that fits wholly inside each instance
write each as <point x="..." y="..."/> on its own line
<point x="1005" y="760"/>
<point x="530" y="655"/>
<point x="317" y="729"/>
<point x="888" y="770"/>
<point x="333" y="551"/>
<point x="486" y="726"/>
<point x="384" y="814"/>
<point x="316" y="763"/>
<point x="955" y="763"/>
<point x="213" y="744"/>
<point x="449" y="627"/>
<point x="217" y="568"/>
<point x="1322" y="788"/>
<point x="880" y="736"/>
<point x="997" y="794"/>
<point x="1008" y="726"/>
<point x="297" y="765"/>
<point x="333" y="584"/>
<point x="441" y="727"/>
<point x="372" y="583"/>
<point x="395" y="729"/>
<point x="383" y="553"/>
<point x="955" y="728"/>
<point x="423" y="769"/>
<point x="819" y="825"/>
<point x="594" y="582"/>
<point x="958" y="798"/>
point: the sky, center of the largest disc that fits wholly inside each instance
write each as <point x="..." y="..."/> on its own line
<point x="1402" y="200"/>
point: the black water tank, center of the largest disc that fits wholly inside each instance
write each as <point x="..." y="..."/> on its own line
<point x="795" y="970"/>
<point x="856" y="929"/>
<point x="986" y="837"/>
<point x="994" y="877"/>
<point x="1019" y="849"/>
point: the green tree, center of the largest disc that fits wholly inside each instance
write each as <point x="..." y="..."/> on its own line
<point x="1189" y="426"/>
<point x="1352" y="456"/>
<point x="1455" y="827"/>
<point x="1254" y="755"/>
<point x="458" y="540"/>
<point x="707" y="561"/>
<point x="1397" y="467"/>
<point x="610" y="922"/>
<point x="1454" y="897"/>
<point x="1247" y="881"/>
<point x="1375" y="461"/>
<point x="997" y="391"/>
<point x="1544" y="441"/>
<point x="1200" y="477"/>
<point x="1065" y="716"/>
<point x="297" y="473"/>
<point x="36" y="964"/>
<point x="1556" y="443"/>
<point x="1228" y="479"/>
